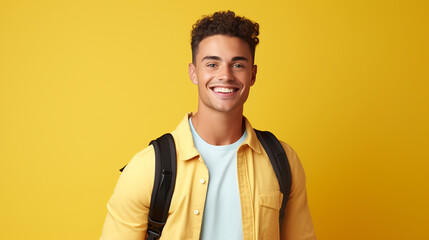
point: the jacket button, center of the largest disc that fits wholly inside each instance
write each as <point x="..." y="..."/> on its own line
<point x="202" y="181"/>
<point x="196" y="212"/>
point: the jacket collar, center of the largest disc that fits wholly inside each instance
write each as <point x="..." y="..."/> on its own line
<point x="185" y="143"/>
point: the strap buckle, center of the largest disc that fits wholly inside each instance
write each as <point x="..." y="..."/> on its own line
<point x="151" y="235"/>
<point x="154" y="229"/>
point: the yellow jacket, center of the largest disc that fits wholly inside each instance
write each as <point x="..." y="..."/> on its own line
<point x="259" y="190"/>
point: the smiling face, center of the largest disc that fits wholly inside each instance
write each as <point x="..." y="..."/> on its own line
<point x="224" y="72"/>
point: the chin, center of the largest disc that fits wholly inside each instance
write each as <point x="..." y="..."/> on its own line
<point x="225" y="109"/>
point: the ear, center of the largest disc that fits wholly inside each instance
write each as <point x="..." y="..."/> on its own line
<point x="192" y="73"/>
<point x="254" y="71"/>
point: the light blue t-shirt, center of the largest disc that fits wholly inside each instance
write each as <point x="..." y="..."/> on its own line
<point x="222" y="211"/>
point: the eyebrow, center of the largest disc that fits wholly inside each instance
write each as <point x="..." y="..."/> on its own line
<point x="211" y="58"/>
<point x="239" y="58"/>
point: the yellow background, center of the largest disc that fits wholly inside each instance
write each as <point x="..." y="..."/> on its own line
<point x="86" y="84"/>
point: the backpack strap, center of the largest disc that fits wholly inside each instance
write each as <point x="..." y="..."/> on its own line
<point x="163" y="186"/>
<point x="280" y="164"/>
<point x="165" y="177"/>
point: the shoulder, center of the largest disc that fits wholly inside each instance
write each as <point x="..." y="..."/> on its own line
<point x="296" y="168"/>
<point x="292" y="156"/>
<point x="141" y="162"/>
<point x="136" y="181"/>
<point x="141" y="159"/>
<point x="290" y="152"/>
<point x="129" y="204"/>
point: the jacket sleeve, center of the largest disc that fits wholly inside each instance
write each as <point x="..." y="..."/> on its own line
<point x="128" y="208"/>
<point x="297" y="223"/>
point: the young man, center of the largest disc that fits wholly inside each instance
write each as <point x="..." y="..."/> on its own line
<point x="226" y="187"/>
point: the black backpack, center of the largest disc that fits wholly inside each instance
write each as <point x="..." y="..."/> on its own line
<point x="165" y="177"/>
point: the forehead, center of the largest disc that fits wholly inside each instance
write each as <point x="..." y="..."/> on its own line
<point x="223" y="46"/>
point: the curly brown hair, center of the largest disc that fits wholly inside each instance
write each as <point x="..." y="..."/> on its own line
<point x="226" y="23"/>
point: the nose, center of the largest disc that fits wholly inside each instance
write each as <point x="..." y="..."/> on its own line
<point x="226" y="74"/>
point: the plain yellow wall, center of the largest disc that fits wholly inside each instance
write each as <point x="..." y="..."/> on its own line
<point x="86" y="84"/>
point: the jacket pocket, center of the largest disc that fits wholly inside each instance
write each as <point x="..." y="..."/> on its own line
<point x="269" y="207"/>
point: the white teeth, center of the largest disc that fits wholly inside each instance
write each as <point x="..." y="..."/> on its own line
<point x="223" y="90"/>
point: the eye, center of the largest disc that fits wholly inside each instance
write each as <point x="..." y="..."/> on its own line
<point x="238" y="65"/>
<point x="211" y="65"/>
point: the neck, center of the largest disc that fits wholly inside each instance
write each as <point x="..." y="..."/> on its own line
<point x="218" y="128"/>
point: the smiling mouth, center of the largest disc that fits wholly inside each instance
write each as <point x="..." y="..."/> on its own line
<point x="224" y="89"/>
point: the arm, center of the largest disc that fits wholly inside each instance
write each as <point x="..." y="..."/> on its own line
<point x="129" y="205"/>
<point x="297" y="223"/>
